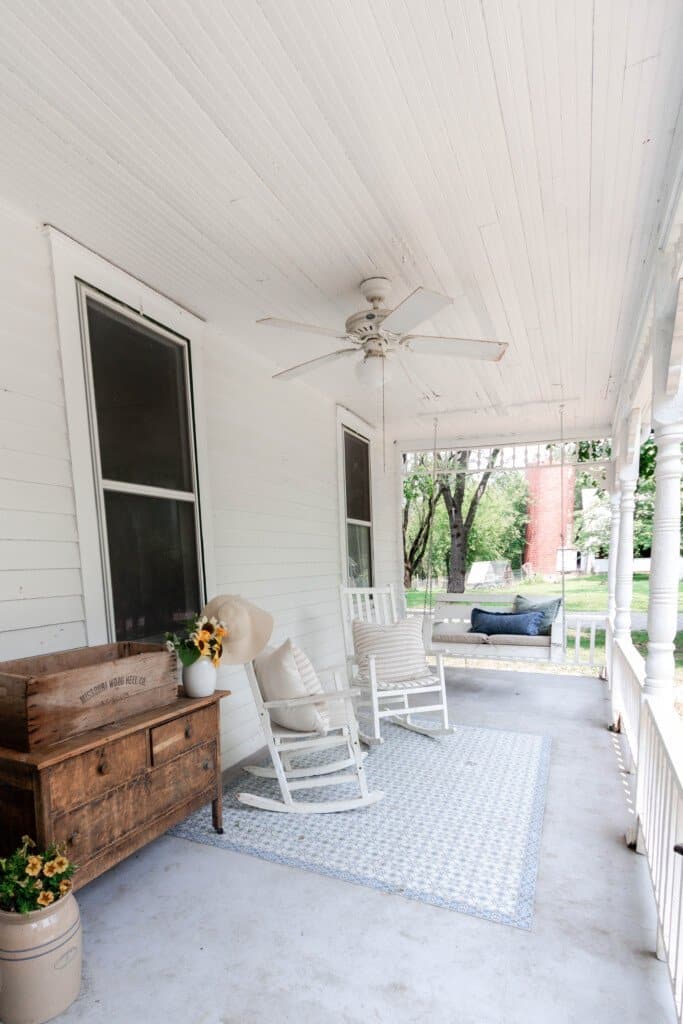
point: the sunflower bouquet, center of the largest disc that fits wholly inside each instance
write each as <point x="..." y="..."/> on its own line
<point x="31" y="881"/>
<point x="203" y="639"/>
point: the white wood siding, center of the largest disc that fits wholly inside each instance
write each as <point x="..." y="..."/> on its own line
<point x="274" y="490"/>
<point x="41" y="607"/>
<point x="273" y="453"/>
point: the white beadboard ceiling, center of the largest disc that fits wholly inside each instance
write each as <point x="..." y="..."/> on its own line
<point x="251" y="158"/>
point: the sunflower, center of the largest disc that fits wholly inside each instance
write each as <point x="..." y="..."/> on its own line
<point x="46" y="898"/>
<point x="65" y="886"/>
<point x="220" y="631"/>
<point x="61" y="863"/>
<point x="205" y="634"/>
<point x="33" y="865"/>
<point x="50" y="869"/>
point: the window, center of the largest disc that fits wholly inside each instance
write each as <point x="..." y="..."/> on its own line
<point x="358" y="509"/>
<point x="138" y="378"/>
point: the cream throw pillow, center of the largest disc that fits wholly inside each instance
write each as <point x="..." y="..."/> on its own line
<point x="285" y="672"/>
<point x="398" y="648"/>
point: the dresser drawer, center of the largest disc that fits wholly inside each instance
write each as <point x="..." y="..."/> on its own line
<point x="88" y="775"/>
<point x="95" y="825"/>
<point x="175" y="737"/>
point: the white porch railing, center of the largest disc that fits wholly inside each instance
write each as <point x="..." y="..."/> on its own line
<point x="659" y="806"/>
<point x="580" y="626"/>
<point x="627" y="678"/>
<point x="654" y="736"/>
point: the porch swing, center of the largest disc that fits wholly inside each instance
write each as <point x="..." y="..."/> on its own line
<point x="447" y="618"/>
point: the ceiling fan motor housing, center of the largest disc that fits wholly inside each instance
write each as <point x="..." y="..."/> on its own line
<point x="366" y="323"/>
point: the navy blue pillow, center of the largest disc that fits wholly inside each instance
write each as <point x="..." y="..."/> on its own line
<point x="512" y="623"/>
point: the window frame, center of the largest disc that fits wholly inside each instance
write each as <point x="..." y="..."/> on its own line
<point x="349" y="423"/>
<point x="77" y="271"/>
<point x="102" y="485"/>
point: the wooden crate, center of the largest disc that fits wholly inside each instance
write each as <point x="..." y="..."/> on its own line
<point x="53" y="697"/>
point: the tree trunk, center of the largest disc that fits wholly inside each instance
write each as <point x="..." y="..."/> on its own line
<point x="461" y="523"/>
<point x="407" y="578"/>
<point x="457" y="567"/>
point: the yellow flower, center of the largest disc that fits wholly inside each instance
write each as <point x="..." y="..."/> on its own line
<point x="220" y="632"/>
<point x="61" y="863"/>
<point x="65" y="886"/>
<point x="38" y="883"/>
<point x="34" y="865"/>
<point x="205" y="635"/>
<point x="50" y="869"/>
<point x="46" y="898"/>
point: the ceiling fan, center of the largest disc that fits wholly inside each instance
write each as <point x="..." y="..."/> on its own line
<point x="379" y="336"/>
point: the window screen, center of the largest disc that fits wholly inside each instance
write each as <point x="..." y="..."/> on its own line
<point x="142" y="418"/>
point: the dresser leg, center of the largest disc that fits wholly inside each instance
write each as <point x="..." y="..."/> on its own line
<point x="217" y="814"/>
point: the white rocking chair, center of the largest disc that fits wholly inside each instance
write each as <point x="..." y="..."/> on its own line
<point x="389" y="701"/>
<point x="285" y="744"/>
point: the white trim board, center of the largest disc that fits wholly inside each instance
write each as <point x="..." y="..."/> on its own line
<point x="350" y="421"/>
<point x="73" y="263"/>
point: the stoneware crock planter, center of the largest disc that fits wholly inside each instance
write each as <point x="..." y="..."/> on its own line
<point x="40" y="962"/>
<point x="199" y="679"/>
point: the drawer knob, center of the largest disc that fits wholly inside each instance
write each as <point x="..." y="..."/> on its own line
<point x="188" y="731"/>
<point x="71" y="839"/>
<point x="103" y="767"/>
<point x="206" y="765"/>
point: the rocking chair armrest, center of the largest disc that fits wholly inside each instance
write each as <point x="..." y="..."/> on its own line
<point x="326" y="697"/>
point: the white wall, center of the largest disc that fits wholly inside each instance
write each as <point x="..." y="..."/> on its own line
<point x="273" y="453"/>
<point x="274" y="490"/>
<point x="41" y="607"/>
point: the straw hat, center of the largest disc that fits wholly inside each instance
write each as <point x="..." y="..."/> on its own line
<point x="248" y="627"/>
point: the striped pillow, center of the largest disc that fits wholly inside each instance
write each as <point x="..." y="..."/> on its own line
<point x="286" y="672"/>
<point x="398" y="648"/>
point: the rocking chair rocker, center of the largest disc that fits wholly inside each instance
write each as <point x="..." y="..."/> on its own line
<point x="286" y="744"/>
<point x="380" y="699"/>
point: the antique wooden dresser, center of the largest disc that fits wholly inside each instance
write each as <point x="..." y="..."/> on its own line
<point x="107" y="791"/>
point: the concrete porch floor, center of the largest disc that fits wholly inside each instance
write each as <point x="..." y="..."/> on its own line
<point x="188" y="933"/>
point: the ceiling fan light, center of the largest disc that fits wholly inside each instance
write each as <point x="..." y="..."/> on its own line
<point x="372" y="371"/>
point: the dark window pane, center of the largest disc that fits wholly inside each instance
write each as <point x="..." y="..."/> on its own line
<point x="360" y="556"/>
<point x="153" y="560"/>
<point x="141" y="400"/>
<point x="357" y="468"/>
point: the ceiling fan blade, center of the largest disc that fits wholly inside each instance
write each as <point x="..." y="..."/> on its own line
<point x="292" y="325"/>
<point x="424" y="391"/>
<point x="310" y="364"/>
<point x="420" y="305"/>
<point x="465" y="348"/>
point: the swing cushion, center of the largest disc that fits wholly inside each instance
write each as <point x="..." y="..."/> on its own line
<point x="285" y="672"/>
<point x="398" y="648"/>
<point x="550" y="610"/>
<point x="508" y="623"/>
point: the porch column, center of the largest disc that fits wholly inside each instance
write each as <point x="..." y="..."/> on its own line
<point x="662" y="614"/>
<point x="615" y="515"/>
<point x="624" y="569"/>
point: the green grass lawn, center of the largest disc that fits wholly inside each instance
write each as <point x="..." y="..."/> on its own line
<point x="583" y="593"/>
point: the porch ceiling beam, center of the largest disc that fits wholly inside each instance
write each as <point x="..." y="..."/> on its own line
<point x="449" y="440"/>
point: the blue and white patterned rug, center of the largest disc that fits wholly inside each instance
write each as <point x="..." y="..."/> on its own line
<point x="459" y="826"/>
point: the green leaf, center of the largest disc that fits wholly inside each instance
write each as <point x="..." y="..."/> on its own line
<point x="188" y="655"/>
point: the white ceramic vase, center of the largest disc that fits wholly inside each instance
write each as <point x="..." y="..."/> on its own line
<point x="199" y="679"/>
<point x="40" y="962"/>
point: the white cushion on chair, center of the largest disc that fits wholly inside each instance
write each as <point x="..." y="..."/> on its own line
<point x="398" y="648"/>
<point x="285" y="672"/>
